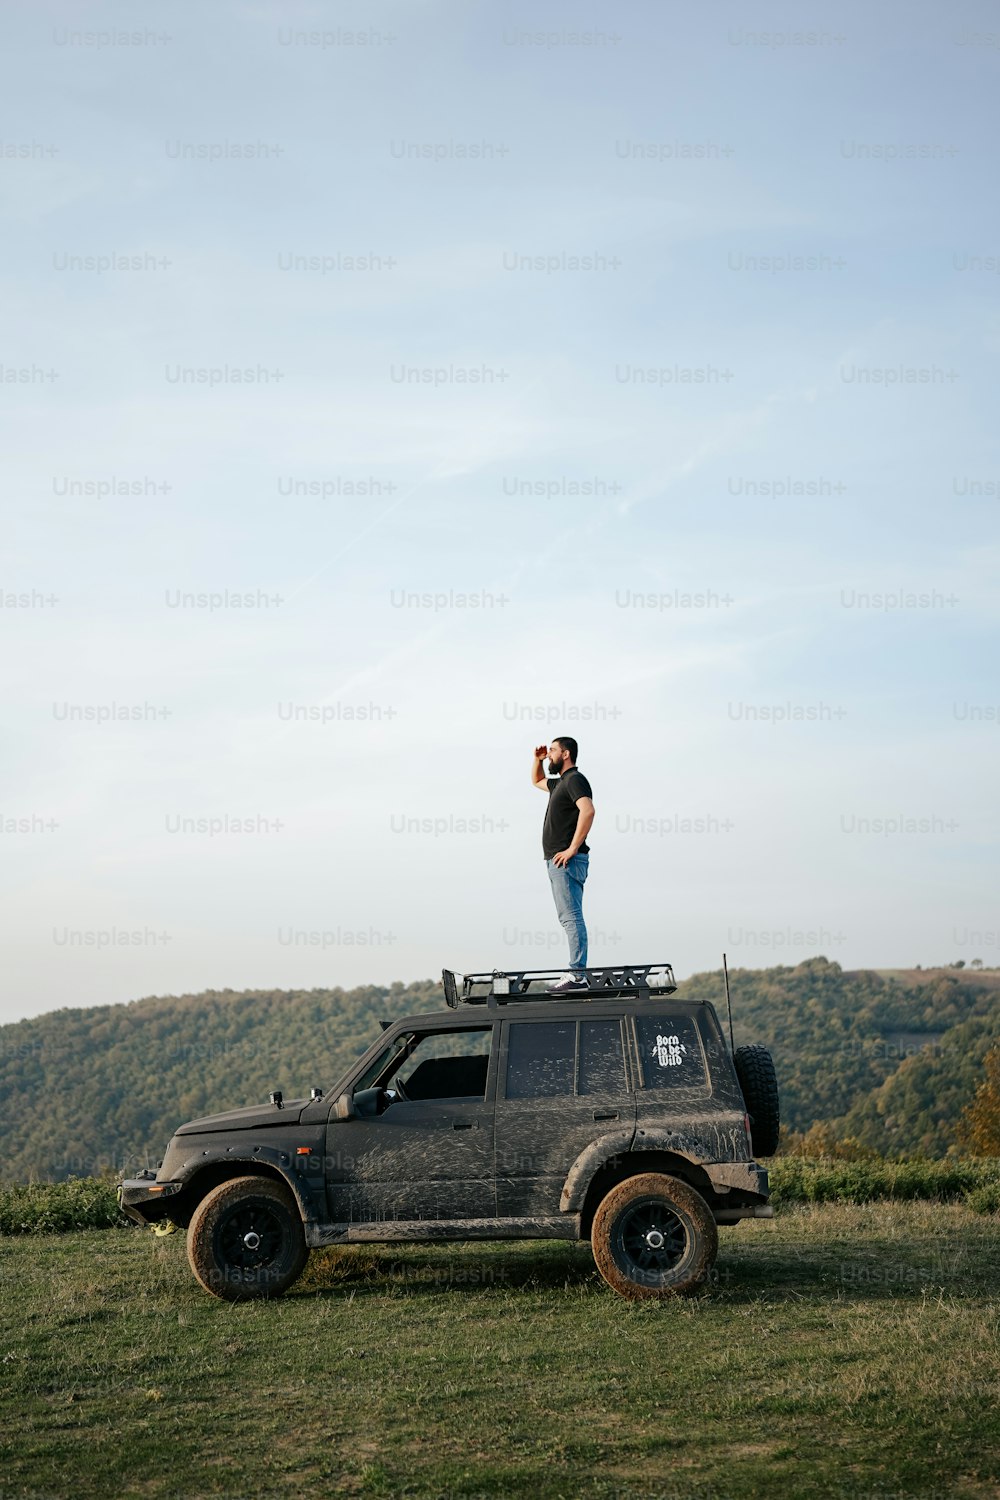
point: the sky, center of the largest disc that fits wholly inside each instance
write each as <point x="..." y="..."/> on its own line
<point x="388" y="389"/>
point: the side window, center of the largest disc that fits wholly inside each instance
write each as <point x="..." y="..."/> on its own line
<point x="540" y="1059"/>
<point x="444" y="1065"/>
<point x="670" y="1052"/>
<point x="555" y="1059"/>
<point x="602" y="1060"/>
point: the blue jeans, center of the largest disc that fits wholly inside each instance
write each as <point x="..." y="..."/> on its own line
<point x="567" y="888"/>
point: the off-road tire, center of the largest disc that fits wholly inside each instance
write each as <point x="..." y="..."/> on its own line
<point x="654" y="1236"/>
<point x="245" y="1240"/>
<point x="755" y="1071"/>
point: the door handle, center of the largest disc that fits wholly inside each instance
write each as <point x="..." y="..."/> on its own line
<point x="465" y="1124"/>
<point x="605" y="1114"/>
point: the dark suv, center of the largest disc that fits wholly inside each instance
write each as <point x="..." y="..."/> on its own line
<point x="616" y="1114"/>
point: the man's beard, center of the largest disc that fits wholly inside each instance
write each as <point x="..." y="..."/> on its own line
<point x="555" y="767"/>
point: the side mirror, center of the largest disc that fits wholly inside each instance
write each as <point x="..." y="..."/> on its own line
<point x="344" y="1108"/>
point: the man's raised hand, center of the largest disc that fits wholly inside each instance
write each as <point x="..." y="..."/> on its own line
<point x="538" y="770"/>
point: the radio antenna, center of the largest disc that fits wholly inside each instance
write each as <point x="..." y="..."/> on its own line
<point x="729" y="1005"/>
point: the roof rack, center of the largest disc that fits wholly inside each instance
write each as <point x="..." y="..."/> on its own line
<point x="502" y="986"/>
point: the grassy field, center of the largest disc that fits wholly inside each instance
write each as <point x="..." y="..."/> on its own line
<point x="842" y="1350"/>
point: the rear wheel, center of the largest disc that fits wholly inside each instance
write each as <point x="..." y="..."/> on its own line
<point x="654" y="1236"/>
<point x="245" y="1240"/>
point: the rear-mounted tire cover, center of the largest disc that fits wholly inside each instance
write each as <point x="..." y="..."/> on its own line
<point x="755" y="1071"/>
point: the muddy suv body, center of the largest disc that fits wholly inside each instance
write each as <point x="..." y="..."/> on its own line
<point x="618" y="1114"/>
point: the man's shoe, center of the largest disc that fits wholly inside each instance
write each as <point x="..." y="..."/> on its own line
<point x="569" y="984"/>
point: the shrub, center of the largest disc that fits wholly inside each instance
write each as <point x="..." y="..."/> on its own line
<point x="985" y="1199"/>
<point x="55" y="1207"/>
<point x="798" y="1179"/>
<point x="90" y="1202"/>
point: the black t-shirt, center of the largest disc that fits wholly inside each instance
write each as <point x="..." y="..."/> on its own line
<point x="561" y="814"/>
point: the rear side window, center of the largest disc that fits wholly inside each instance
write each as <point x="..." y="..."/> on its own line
<point x="669" y="1052"/>
<point x="540" y="1059"/>
<point x="556" y="1059"/>
<point x="602" y="1061"/>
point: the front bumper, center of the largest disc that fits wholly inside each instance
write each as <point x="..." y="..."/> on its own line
<point x="146" y="1201"/>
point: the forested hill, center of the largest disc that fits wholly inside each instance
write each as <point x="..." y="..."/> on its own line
<point x="891" y="1057"/>
<point x="103" y="1088"/>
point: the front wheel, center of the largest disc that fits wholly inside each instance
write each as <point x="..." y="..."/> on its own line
<point x="245" y="1240"/>
<point x="654" y="1236"/>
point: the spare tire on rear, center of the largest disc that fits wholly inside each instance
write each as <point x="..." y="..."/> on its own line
<point x="755" y="1071"/>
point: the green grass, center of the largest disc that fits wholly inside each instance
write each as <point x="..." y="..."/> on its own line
<point x="842" y="1350"/>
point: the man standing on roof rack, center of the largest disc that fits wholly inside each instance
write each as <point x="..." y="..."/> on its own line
<point x="568" y="819"/>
